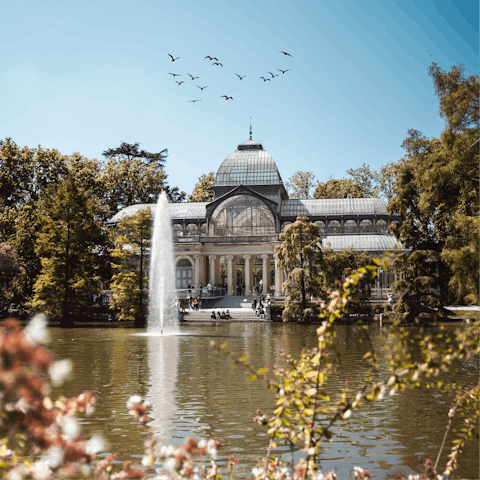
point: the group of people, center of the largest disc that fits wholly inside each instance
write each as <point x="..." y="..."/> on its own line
<point x="194" y="303"/>
<point x="223" y="315"/>
<point x="258" y="306"/>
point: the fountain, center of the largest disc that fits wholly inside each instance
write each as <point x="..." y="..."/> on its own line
<point x="162" y="301"/>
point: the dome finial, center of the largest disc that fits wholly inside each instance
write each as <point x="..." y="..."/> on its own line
<point x="250" y="128"/>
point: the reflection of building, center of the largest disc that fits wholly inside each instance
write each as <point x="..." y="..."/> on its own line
<point x="232" y="239"/>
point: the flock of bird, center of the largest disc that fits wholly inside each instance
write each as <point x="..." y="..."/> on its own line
<point x="216" y="62"/>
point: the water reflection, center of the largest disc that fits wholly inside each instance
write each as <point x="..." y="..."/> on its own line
<point x="195" y="392"/>
<point x="162" y="364"/>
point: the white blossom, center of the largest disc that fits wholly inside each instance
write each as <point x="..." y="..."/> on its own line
<point x="94" y="445"/>
<point x="59" y="371"/>
<point x="133" y="400"/>
<point x="380" y="396"/>
<point x="257" y="472"/>
<point x="36" y="330"/>
<point x="42" y="470"/>
<point x="148" y="461"/>
<point x="70" y="427"/>
<point x="169" y="465"/>
<point x="55" y="456"/>
<point x="451" y="412"/>
<point x="347" y="414"/>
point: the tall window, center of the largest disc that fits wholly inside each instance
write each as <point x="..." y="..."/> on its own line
<point x="184" y="273"/>
<point x="242" y="215"/>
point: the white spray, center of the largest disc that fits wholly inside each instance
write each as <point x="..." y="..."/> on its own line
<point x="162" y="300"/>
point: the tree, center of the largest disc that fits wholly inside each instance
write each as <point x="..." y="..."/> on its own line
<point x="366" y="179"/>
<point x="67" y="246"/>
<point x="300" y="184"/>
<point x="202" y="192"/>
<point x="438" y="185"/>
<point x="133" y="176"/>
<point x="301" y="257"/>
<point x="338" y="265"/>
<point x="337" y="189"/>
<point x="130" y="282"/>
<point x="423" y="275"/>
<point x="11" y="269"/>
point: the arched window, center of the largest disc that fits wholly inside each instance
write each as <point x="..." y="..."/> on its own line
<point x="177" y="230"/>
<point x="242" y="215"/>
<point x="334" y="226"/>
<point x="382" y="226"/>
<point x="366" y="226"/>
<point x="350" y="226"/>
<point x="184" y="273"/>
<point x="321" y="224"/>
<point x="191" y="229"/>
<point x="203" y="229"/>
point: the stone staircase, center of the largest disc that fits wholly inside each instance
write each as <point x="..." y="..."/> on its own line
<point x="240" y="310"/>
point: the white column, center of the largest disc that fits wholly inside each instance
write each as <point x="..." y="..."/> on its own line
<point x="265" y="259"/>
<point x="277" y="278"/>
<point x="229" y="275"/>
<point x="211" y="269"/>
<point x="197" y="270"/>
<point x="247" y="274"/>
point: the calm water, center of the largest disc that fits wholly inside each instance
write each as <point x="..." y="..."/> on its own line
<point x="196" y="392"/>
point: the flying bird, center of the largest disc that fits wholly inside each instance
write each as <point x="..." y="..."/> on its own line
<point x="209" y="57"/>
<point x="193" y="78"/>
<point x="217" y="63"/>
<point x="201" y="88"/>
<point x="214" y="58"/>
<point x="180" y="82"/>
<point x="227" y="98"/>
<point x="241" y="78"/>
<point x="195" y="100"/>
<point x="285" y="53"/>
<point x="283" y="71"/>
<point x="173" y="59"/>
<point x="175" y="74"/>
<point x="266" y="79"/>
<point x="273" y="76"/>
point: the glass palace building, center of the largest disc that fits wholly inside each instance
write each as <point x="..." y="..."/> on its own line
<point x="231" y="240"/>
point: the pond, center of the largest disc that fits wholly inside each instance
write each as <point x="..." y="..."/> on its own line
<point x="196" y="392"/>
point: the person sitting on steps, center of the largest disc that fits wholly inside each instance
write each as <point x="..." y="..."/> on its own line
<point x="213" y="316"/>
<point x="222" y="315"/>
<point x="227" y="315"/>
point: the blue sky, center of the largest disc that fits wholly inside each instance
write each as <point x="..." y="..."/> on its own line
<point x="86" y="76"/>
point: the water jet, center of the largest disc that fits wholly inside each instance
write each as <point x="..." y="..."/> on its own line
<point x="162" y="305"/>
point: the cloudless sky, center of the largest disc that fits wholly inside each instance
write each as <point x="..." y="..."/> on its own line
<point x="84" y="76"/>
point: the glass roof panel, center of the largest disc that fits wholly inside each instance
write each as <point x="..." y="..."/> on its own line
<point x="334" y="206"/>
<point x="178" y="211"/>
<point x="377" y="243"/>
<point x="248" y="165"/>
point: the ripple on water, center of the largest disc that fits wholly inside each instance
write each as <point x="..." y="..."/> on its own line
<point x="185" y="381"/>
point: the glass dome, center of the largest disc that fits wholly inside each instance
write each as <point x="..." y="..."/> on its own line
<point x="242" y="215"/>
<point x="250" y="164"/>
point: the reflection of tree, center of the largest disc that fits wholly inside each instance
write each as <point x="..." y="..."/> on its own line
<point x="109" y="361"/>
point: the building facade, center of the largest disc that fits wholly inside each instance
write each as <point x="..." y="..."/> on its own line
<point x="231" y="240"/>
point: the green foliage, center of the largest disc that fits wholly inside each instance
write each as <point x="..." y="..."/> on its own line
<point x="67" y="246"/>
<point x="132" y="176"/>
<point x="11" y="270"/>
<point x="300" y="255"/>
<point x="338" y="189"/>
<point x="365" y="178"/>
<point x="437" y="192"/>
<point x="130" y="282"/>
<point x="300" y="184"/>
<point x="337" y="266"/>
<point x="202" y="192"/>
